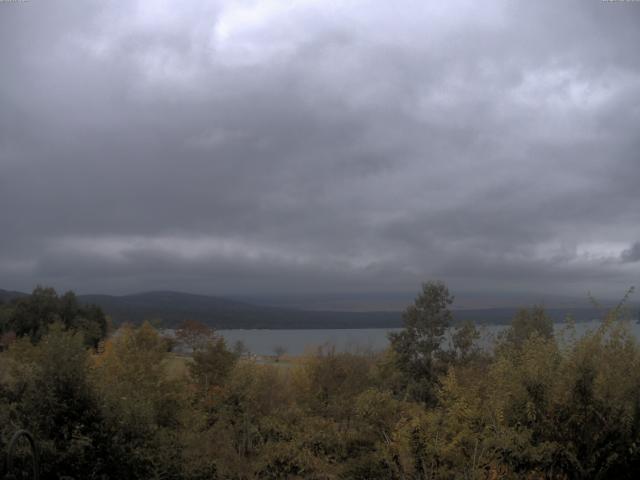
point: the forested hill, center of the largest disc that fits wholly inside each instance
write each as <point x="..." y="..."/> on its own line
<point x="170" y="308"/>
<point x="8" y="295"/>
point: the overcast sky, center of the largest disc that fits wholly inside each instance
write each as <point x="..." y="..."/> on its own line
<point x="260" y="147"/>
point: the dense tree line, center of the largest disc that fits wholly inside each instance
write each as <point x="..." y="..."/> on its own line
<point x="32" y="315"/>
<point x="537" y="404"/>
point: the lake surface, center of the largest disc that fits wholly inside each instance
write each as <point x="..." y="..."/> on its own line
<point x="297" y="342"/>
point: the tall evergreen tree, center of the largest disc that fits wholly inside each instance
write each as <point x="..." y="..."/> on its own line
<point x="417" y="347"/>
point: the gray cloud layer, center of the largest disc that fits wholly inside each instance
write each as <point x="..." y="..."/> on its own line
<point x="271" y="146"/>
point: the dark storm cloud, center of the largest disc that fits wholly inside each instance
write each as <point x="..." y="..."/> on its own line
<point x="272" y="147"/>
<point x="632" y="254"/>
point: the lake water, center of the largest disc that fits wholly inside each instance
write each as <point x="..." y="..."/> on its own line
<point x="297" y="342"/>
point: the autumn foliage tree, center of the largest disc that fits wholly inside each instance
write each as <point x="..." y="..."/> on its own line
<point x="212" y="363"/>
<point x="143" y="408"/>
<point x="195" y="335"/>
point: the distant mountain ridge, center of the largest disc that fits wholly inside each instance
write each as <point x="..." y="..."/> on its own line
<point x="8" y="295"/>
<point x="169" y="308"/>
